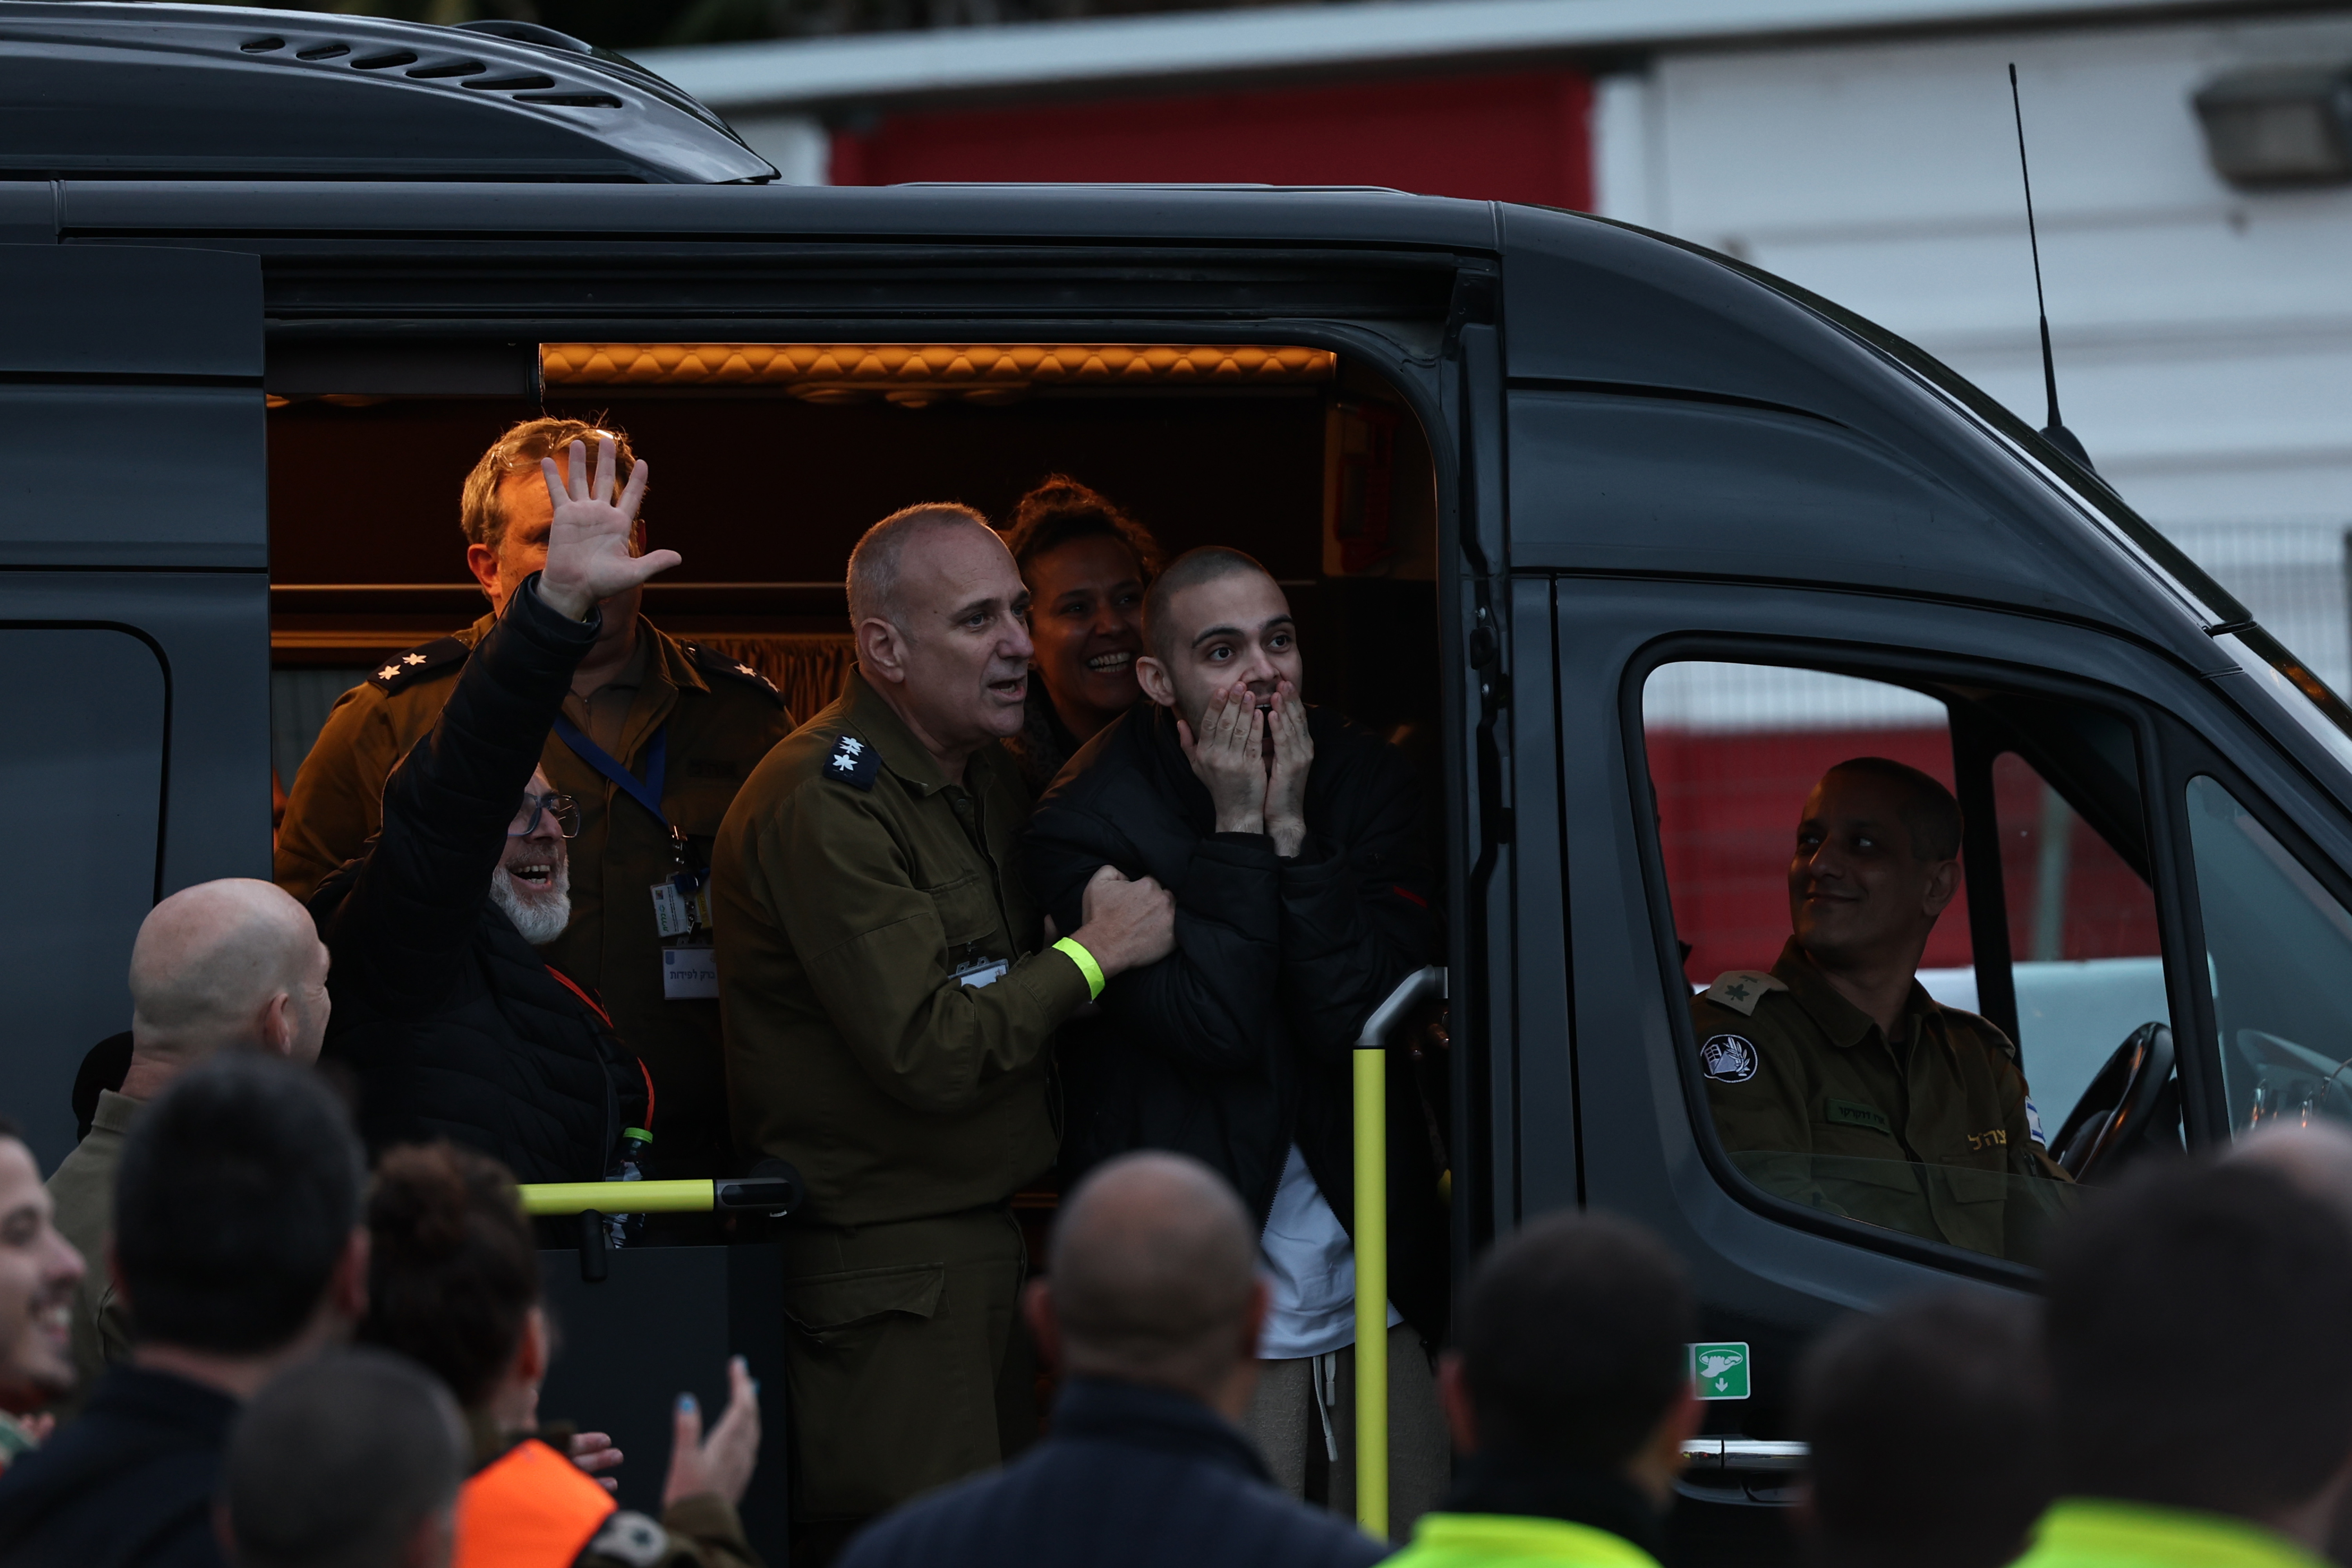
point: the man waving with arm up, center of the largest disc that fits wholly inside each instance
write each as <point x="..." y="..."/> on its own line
<point x="889" y="1001"/>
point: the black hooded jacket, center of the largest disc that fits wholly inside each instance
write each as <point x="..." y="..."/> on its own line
<point x="1238" y="1043"/>
<point x="455" y="1026"/>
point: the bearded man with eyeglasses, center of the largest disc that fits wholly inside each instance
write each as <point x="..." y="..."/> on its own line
<point x="449" y="1017"/>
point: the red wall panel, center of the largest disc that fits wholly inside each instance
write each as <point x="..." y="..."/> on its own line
<point x="1522" y="137"/>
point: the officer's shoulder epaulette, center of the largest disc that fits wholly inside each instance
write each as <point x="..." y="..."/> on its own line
<point x="1741" y="989"/>
<point x="425" y="658"/>
<point x="852" y="762"/>
<point x="716" y="663"/>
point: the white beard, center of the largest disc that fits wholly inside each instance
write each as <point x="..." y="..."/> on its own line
<point x="540" y="917"/>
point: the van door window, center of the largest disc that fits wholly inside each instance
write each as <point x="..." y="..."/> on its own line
<point x="2278" y="947"/>
<point x="1808" y="829"/>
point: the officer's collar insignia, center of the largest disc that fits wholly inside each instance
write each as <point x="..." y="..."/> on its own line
<point x="1741" y="989"/>
<point x="1728" y="1058"/>
<point x="426" y="658"/>
<point x="716" y="663"/>
<point x="854" y="762"/>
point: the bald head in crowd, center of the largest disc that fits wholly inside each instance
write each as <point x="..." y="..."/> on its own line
<point x="1154" y="1280"/>
<point x="232" y="963"/>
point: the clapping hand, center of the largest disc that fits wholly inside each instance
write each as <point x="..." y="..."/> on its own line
<point x="588" y="555"/>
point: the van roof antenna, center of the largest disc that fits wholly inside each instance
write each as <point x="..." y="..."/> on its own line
<point x="2055" y="432"/>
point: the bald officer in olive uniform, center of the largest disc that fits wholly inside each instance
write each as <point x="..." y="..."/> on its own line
<point x="890" y="1001"/>
<point x="1835" y="1079"/>
<point x="681" y="725"/>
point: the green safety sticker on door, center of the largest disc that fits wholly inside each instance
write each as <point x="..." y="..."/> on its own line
<point x="1720" y="1371"/>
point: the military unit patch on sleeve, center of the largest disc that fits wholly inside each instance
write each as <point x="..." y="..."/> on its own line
<point x="425" y="658"/>
<point x="1741" y="989"/>
<point x="853" y="761"/>
<point x="1728" y="1058"/>
<point x="630" y="1538"/>
<point x="731" y="668"/>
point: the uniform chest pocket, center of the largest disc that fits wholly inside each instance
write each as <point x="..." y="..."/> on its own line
<point x="968" y="912"/>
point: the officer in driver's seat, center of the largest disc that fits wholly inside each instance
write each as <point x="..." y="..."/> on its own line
<point x="1835" y="1079"/>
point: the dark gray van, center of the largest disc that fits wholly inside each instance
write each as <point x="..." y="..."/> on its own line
<point x="1559" y="504"/>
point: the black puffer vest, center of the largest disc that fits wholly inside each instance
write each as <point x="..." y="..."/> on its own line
<point x="454" y="1025"/>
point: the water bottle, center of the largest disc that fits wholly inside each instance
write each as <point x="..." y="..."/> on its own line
<point x="634" y="1140"/>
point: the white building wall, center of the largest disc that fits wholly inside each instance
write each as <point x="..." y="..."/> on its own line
<point x="2203" y="335"/>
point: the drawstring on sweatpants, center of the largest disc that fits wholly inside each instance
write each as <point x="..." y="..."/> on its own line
<point x="1327" y="1400"/>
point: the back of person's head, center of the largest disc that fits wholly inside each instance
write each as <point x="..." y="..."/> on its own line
<point x="1574" y="1337"/>
<point x="1206" y="563"/>
<point x="350" y="1459"/>
<point x="1060" y="510"/>
<point x="481" y="511"/>
<point x="1153" y="1274"/>
<point x="453" y="1272"/>
<point x="877" y="562"/>
<point x="210" y="959"/>
<point x="2189" y="1320"/>
<point x="236" y="1200"/>
<point x="1929" y="1430"/>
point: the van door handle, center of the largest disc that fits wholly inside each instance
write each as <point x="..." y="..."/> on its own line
<point x="1744" y="1454"/>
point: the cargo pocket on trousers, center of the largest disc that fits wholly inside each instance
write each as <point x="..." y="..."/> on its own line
<point x="864" y="1367"/>
<point x="834" y="1310"/>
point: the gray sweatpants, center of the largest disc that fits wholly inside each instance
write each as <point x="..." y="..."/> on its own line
<point x="1313" y="1400"/>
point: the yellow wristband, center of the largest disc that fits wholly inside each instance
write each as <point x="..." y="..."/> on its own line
<point x="1086" y="965"/>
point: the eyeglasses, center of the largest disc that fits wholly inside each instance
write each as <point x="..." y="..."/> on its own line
<point x="562" y="807"/>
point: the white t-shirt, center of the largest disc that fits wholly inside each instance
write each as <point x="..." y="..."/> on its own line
<point x="1310" y="1267"/>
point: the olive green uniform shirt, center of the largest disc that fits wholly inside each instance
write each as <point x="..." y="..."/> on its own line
<point x="722" y="717"/>
<point x="82" y="1189"/>
<point x="852" y="882"/>
<point x="1927" y="1134"/>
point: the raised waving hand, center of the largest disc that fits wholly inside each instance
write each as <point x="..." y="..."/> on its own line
<point x="588" y="556"/>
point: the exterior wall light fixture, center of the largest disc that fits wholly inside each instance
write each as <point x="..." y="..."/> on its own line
<point x="2279" y="126"/>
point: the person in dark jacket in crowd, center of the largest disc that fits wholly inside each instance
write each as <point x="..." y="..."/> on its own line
<point x="1287" y="836"/>
<point x="1929" y="1429"/>
<point x="1086" y="563"/>
<point x="1569" y="1397"/>
<point x="350" y="1460"/>
<point x="1151" y="1309"/>
<point x="237" y="1244"/>
<point x="454" y="1025"/>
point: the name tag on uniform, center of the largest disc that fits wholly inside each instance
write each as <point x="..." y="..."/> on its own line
<point x="982" y="972"/>
<point x="689" y="973"/>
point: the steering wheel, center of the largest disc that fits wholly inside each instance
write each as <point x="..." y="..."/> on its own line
<point x="2119" y="1108"/>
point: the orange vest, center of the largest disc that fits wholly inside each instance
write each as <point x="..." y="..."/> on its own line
<point x="531" y="1508"/>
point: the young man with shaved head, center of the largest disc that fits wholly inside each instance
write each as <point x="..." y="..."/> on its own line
<point x="1151" y="1311"/>
<point x="890" y="995"/>
<point x="1288" y="835"/>
<point x="1836" y="1080"/>
<point x="227" y="965"/>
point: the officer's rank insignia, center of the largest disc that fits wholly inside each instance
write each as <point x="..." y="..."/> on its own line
<point x="1741" y="989"/>
<point x="718" y="663"/>
<point x="425" y="658"/>
<point x="1728" y="1058"/>
<point x="854" y="762"/>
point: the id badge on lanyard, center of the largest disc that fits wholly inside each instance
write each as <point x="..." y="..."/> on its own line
<point x="689" y="965"/>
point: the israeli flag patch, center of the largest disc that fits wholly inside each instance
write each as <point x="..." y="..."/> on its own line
<point x="854" y="762"/>
<point x="2034" y="1126"/>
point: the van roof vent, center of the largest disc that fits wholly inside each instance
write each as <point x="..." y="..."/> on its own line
<point x="337" y="97"/>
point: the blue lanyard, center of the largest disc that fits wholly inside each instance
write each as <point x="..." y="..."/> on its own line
<point x="647" y="792"/>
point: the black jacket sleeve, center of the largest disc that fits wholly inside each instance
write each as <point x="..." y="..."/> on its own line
<point x="1355" y="901"/>
<point x="1199" y="1005"/>
<point x="410" y="915"/>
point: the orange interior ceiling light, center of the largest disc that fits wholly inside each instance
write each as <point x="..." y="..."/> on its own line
<point x="917" y="373"/>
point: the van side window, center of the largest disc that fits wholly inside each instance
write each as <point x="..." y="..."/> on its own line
<point x="2278" y="948"/>
<point x="1832" y="908"/>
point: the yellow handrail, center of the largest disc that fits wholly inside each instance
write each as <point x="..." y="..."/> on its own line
<point x="619" y="1197"/>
